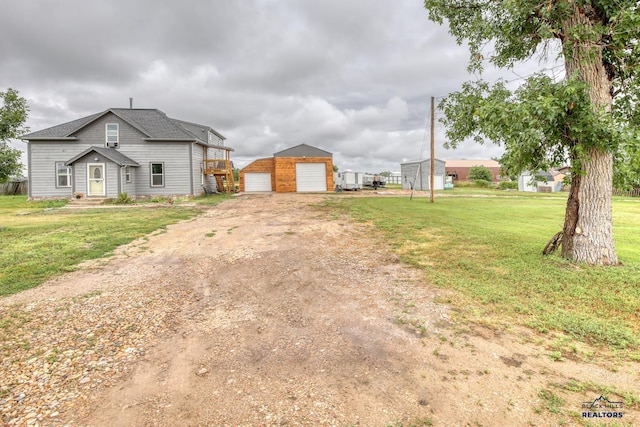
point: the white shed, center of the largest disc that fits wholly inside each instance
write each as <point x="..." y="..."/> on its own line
<point x="538" y="182"/>
<point x="417" y="174"/>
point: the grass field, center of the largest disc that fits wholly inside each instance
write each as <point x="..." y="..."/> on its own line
<point x="40" y="241"/>
<point x="488" y="251"/>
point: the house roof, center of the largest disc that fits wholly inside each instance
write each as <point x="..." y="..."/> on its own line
<point x="471" y="163"/>
<point x="303" y="150"/>
<point x="110" y="153"/>
<point x="152" y="123"/>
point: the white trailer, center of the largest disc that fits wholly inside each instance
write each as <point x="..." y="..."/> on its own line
<point x="348" y="180"/>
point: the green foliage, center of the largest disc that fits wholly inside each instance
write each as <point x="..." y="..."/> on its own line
<point x="495" y="268"/>
<point x="10" y="164"/>
<point x="13" y="115"/>
<point x="482" y="183"/>
<point x="542" y="124"/>
<point x="480" y="172"/>
<point x="123" y="199"/>
<point x="551" y="401"/>
<point x="546" y="124"/>
<point x="508" y="185"/>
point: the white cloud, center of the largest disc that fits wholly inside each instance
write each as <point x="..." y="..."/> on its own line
<point x="351" y="77"/>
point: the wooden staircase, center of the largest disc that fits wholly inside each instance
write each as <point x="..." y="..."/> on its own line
<point x="222" y="170"/>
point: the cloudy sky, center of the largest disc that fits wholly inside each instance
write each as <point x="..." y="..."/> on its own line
<point x="353" y="77"/>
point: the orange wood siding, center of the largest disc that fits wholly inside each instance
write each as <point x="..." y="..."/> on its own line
<point x="286" y="172"/>
<point x="260" y="165"/>
<point x="283" y="171"/>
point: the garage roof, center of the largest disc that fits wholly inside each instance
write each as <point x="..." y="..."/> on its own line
<point x="303" y="150"/>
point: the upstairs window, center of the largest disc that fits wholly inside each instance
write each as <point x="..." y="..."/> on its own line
<point x="63" y="175"/>
<point x="157" y="174"/>
<point x="112" y="132"/>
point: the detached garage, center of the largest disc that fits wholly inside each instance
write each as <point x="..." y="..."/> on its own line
<point x="302" y="168"/>
<point x="257" y="181"/>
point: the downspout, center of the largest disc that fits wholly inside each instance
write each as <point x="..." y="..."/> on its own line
<point x="122" y="167"/>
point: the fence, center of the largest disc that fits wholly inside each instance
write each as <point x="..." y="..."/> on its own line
<point x="13" y="188"/>
<point x="631" y="193"/>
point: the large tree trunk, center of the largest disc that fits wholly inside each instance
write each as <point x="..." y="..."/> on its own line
<point x="588" y="228"/>
<point x="593" y="234"/>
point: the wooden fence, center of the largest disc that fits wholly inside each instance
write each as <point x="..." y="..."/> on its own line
<point x="13" y="188"/>
<point x="631" y="193"/>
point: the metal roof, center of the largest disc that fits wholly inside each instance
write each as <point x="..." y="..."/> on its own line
<point x="303" y="150"/>
<point x="110" y="153"/>
<point x="153" y="123"/>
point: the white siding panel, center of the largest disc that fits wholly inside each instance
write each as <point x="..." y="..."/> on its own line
<point x="311" y="177"/>
<point x="257" y="181"/>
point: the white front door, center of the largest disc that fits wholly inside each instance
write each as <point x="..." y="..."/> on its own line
<point x="95" y="179"/>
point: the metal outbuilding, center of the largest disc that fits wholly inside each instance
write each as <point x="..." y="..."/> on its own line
<point x="417" y="174"/>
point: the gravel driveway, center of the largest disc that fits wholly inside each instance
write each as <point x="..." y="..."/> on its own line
<point x="266" y="310"/>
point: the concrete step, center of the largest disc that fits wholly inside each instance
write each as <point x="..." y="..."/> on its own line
<point x="87" y="201"/>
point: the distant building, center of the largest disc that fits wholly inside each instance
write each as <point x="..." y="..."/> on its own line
<point x="459" y="170"/>
<point x="538" y="182"/>
<point x="417" y="174"/>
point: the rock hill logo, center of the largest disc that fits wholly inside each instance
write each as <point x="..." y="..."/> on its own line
<point x="602" y="408"/>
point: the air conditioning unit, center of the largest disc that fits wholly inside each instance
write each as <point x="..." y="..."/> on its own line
<point x="112" y="145"/>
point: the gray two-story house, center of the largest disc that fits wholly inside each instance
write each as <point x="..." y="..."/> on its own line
<point x="141" y="152"/>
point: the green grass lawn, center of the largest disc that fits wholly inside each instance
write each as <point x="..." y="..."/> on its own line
<point x="40" y="241"/>
<point x="488" y="251"/>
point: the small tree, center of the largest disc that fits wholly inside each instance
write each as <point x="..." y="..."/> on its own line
<point x="480" y="172"/>
<point x="13" y="114"/>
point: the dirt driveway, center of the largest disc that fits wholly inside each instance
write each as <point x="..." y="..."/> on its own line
<point x="268" y="310"/>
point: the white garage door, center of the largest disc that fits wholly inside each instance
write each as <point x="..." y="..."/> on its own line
<point x="257" y="181"/>
<point x="311" y="177"/>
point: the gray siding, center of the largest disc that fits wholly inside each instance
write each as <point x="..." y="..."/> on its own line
<point x="129" y="188"/>
<point x="177" y="167"/>
<point x="408" y="174"/>
<point x="42" y="167"/>
<point x="182" y="163"/>
<point x="196" y="167"/>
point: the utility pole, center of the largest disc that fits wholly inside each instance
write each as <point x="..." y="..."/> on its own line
<point x="433" y="147"/>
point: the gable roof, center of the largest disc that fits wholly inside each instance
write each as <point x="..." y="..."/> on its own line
<point x="110" y="153"/>
<point x="303" y="150"/>
<point x="423" y="161"/>
<point x="152" y="123"/>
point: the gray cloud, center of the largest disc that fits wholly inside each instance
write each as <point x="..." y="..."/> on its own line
<point x="351" y="77"/>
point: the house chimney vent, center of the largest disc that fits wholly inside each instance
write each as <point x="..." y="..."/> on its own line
<point x="130" y="103"/>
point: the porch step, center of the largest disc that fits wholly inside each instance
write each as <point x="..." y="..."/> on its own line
<point x="86" y="201"/>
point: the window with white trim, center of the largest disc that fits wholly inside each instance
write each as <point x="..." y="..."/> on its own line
<point x="127" y="174"/>
<point x="63" y="175"/>
<point x="157" y="174"/>
<point x="112" y="133"/>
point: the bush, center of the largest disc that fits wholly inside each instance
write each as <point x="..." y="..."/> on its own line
<point x="508" y="185"/>
<point x="480" y="173"/>
<point x="482" y="183"/>
<point x="123" y="199"/>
